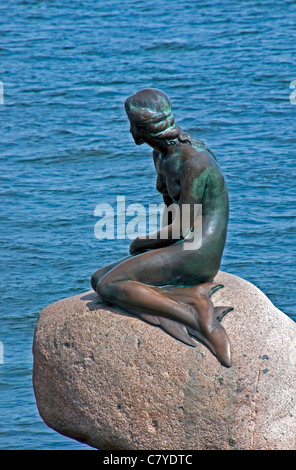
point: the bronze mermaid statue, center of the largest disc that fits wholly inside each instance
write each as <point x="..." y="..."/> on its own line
<point x="164" y="281"/>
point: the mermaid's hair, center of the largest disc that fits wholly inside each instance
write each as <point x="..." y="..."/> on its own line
<point x="150" y="109"/>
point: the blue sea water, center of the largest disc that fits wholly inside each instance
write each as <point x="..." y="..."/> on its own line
<point x="66" y="69"/>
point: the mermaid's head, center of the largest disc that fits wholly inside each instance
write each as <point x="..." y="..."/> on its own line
<point x="150" y="111"/>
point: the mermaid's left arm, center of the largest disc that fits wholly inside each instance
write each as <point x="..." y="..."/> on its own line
<point x="193" y="183"/>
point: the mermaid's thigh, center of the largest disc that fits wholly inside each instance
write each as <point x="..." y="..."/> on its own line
<point x="164" y="266"/>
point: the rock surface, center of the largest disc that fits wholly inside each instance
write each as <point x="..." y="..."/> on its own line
<point x="113" y="381"/>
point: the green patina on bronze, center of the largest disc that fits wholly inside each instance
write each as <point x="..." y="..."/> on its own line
<point x="169" y="281"/>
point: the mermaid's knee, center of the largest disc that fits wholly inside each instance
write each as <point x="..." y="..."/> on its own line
<point x="94" y="281"/>
<point x="105" y="289"/>
<point x="112" y="288"/>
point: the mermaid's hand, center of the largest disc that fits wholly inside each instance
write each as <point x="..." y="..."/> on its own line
<point x="137" y="246"/>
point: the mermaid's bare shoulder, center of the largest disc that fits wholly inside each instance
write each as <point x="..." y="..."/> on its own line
<point x="199" y="145"/>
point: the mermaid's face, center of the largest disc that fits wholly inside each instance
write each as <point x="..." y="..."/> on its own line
<point x="137" y="136"/>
